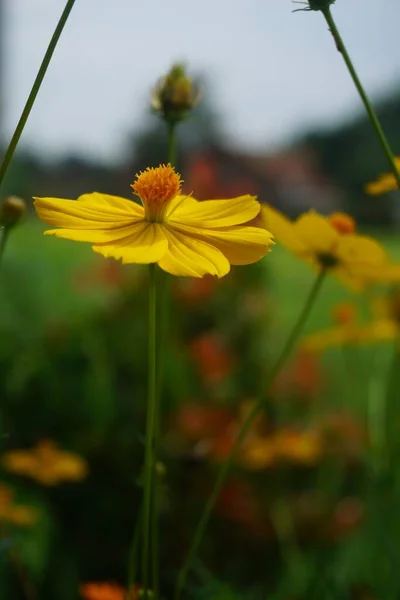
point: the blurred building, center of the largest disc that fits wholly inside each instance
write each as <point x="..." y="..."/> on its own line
<point x="291" y="180"/>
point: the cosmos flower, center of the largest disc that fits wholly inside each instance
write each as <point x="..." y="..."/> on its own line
<point x="183" y="236"/>
<point x="331" y="243"/>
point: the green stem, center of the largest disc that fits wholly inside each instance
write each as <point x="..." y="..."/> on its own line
<point x="171" y="147"/>
<point x="151" y="427"/>
<point x="35" y="89"/>
<point x="3" y="241"/>
<point x="257" y="407"/>
<point x="364" y="97"/>
<point x="134" y="553"/>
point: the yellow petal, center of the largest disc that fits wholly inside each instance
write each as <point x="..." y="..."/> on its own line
<point x="282" y="229"/>
<point x="90" y="211"/>
<point x="316" y="233"/>
<point x="146" y="244"/>
<point x="190" y="257"/>
<point x="360" y="250"/>
<point x="241" y="245"/>
<point x="385" y="183"/>
<point x="213" y="213"/>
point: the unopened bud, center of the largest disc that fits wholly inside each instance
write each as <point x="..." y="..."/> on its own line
<point x="315" y="5"/>
<point x="12" y="210"/>
<point x="320" y="4"/>
<point x="175" y="95"/>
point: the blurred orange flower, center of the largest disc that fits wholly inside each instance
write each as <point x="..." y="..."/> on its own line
<point x="198" y="421"/>
<point x="239" y="503"/>
<point x="302" y="377"/>
<point x="107" y="591"/>
<point x="46" y="463"/>
<point x="211" y="357"/>
<point x="345" y="313"/>
<point x="15" y="514"/>
<point x="195" y="291"/>
<point x="346" y="518"/>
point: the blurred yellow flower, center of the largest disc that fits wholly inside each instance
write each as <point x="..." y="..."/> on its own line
<point x="298" y="447"/>
<point x="350" y="331"/>
<point x="15" y="514"/>
<point x="46" y="463"/>
<point x="331" y="243"/>
<point x="301" y="447"/>
<point x="183" y="236"/>
<point x="385" y="182"/>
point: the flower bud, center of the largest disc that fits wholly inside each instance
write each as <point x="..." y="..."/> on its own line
<point x="175" y="95"/>
<point x="12" y="210"/>
<point x="320" y="4"/>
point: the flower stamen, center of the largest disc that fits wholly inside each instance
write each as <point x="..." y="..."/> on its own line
<point x="156" y="187"/>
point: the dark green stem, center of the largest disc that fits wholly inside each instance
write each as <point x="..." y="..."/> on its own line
<point x="3" y="241"/>
<point x="171" y="147"/>
<point x="134" y="553"/>
<point x="151" y="427"/>
<point x="364" y="97"/>
<point x="257" y="407"/>
<point x="35" y="89"/>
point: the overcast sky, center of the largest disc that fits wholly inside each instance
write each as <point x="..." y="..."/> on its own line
<point x="272" y="73"/>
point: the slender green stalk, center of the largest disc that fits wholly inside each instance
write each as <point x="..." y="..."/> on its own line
<point x="163" y="291"/>
<point x="3" y="242"/>
<point x="257" y="407"/>
<point x="35" y="89"/>
<point x="134" y="552"/>
<point x="151" y="426"/>
<point x="171" y="149"/>
<point x="363" y="94"/>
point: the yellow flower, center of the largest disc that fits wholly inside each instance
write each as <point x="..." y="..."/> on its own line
<point x="385" y="182"/>
<point x="185" y="237"/>
<point x="46" y="464"/>
<point x="15" y="514"/>
<point x="349" y="331"/>
<point x="331" y="243"/>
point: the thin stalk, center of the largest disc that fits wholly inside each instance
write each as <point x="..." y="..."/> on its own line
<point x="151" y="426"/>
<point x="35" y="89"/>
<point x="363" y="94"/>
<point x="171" y="145"/>
<point x="3" y="241"/>
<point x="257" y="407"/>
<point x="163" y="292"/>
<point x="134" y="553"/>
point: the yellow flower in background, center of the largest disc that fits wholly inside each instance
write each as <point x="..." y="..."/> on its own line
<point x="46" y="463"/>
<point x="298" y="447"/>
<point x="350" y="331"/>
<point x="183" y="236"/>
<point x="385" y="182"/>
<point x="12" y="513"/>
<point x="331" y="243"/>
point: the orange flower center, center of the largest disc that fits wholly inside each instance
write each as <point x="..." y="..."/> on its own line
<point x="343" y="223"/>
<point x="156" y="187"/>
